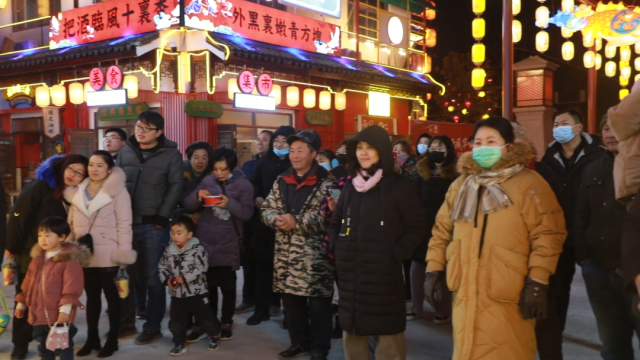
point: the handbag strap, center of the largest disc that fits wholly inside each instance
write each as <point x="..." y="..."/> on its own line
<point x="95" y="216"/>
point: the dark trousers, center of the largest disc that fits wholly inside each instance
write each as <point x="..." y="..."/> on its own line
<point x="614" y="316"/>
<point x="264" y="294"/>
<point x="137" y="298"/>
<point x="223" y="277"/>
<point x="406" y="267"/>
<point x="40" y="333"/>
<point x="22" y="332"/>
<point x="97" y="280"/>
<point x="548" y="333"/>
<point x="181" y="311"/>
<point x="565" y="271"/>
<point x="249" y="285"/>
<point x="309" y="320"/>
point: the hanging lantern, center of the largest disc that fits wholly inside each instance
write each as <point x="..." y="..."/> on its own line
<point x="451" y="108"/>
<point x="477" y="78"/>
<point x="482" y="94"/>
<point x="478" y="28"/>
<point x="598" y="44"/>
<point x="566" y="33"/>
<point x="516" y="31"/>
<point x="42" y="96"/>
<point x="430" y="14"/>
<point x="636" y="64"/>
<point x="623" y="93"/>
<point x="625" y="53"/>
<point x="542" y="17"/>
<point x="130" y="83"/>
<point x="588" y="39"/>
<point x="609" y="51"/>
<point x="542" y="41"/>
<point x="340" y="101"/>
<point x="637" y="48"/>
<point x="232" y="87"/>
<point x="309" y="98"/>
<point x="567" y="51"/>
<point x="427" y="65"/>
<point x="610" y="69"/>
<point x="625" y="72"/>
<point x="567" y="5"/>
<point x="635" y="78"/>
<point x="324" y="100"/>
<point x="589" y="59"/>
<point x="58" y="95"/>
<point x="276" y="92"/>
<point x="478" y="6"/>
<point x="623" y="81"/>
<point x="477" y="54"/>
<point x="516" y="6"/>
<point x="430" y="39"/>
<point x="76" y="93"/>
<point x="598" y="61"/>
<point x="293" y="96"/>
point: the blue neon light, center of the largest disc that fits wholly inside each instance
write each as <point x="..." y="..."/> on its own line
<point x="118" y="41"/>
<point x="382" y="70"/>
<point x="346" y="64"/>
<point x="296" y="53"/>
<point x="241" y="41"/>
<point x="419" y="77"/>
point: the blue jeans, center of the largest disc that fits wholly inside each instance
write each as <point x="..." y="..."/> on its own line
<point x="40" y="333"/>
<point x="614" y="317"/>
<point x="151" y="243"/>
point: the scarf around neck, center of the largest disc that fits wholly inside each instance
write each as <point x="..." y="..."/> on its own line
<point x="362" y="185"/>
<point x="493" y="199"/>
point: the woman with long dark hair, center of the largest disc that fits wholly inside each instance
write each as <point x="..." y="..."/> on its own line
<point x="38" y="200"/>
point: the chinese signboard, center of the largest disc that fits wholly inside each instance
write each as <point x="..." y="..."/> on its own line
<point x="51" y="122"/>
<point x="122" y="112"/>
<point x="96" y="79"/>
<point x="459" y="133"/>
<point x="199" y="108"/>
<point x="110" y="20"/>
<point x="114" y="76"/>
<point x="389" y="124"/>
<point x="255" y="22"/>
<point x="246" y="82"/>
<point x="327" y="7"/>
<point x="20" y="96"/>
<point x="318" y="117"/>
<point x="264" y="84"/>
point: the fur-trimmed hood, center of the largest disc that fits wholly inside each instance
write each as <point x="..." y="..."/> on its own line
<point x="521" y="153"/>
<point x="70" y="251"/>
<point x="446" y="172"/>
<point x="112" y="186"/>
<point x="47" y="172"/>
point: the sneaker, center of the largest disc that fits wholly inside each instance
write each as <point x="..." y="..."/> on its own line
<point x="243" y="308"/>
<point x="292" y="352"/>
<point x="213" y="344"/>
<point x="141" y="313"/>
<point x="177" y="350"/>
<point x="225" y="332"/>
<point x="411" y="315"/>
<point x="257" y="318"/>
<point x="147" y="337"/>
<point x="274" y="310"/>
<point x="318" y="355"/>
<point x="196" y="335"/>
<point x="440" y="320"/>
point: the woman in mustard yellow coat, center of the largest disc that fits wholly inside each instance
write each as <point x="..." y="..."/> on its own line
<point x="499" y="234"/>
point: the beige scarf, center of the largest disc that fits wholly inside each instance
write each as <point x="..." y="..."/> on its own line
<point x="494" y="198"/>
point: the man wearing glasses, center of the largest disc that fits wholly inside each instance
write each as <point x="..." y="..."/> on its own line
<point x="114" y="140"/>
<point x="153" y="166"/>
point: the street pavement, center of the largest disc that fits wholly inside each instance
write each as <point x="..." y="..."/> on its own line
<point x="425" y="341"/>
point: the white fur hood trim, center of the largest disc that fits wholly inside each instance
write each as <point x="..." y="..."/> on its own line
<point x="112" y="187"/>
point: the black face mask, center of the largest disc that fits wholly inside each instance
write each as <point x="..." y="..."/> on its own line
<point x="437" y="156"/>
<point x="342" y="159"/>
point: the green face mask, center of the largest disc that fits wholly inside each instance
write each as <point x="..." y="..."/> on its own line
<point x="487" y="156"/>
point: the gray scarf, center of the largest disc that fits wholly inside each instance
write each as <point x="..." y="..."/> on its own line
<point x="493" y="199"/>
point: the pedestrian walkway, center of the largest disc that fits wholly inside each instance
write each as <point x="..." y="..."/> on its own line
<point x="425" y="341"/>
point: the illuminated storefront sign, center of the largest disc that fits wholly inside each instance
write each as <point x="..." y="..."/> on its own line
<point x="379" y="104"/>
<point x="201" y="108"/>
<point x="107" y="97"/>
<point x="255" y="22"/>
<point x="20" y="96"/>
<point x="246" y="82"/>
<point x="389" y="124"/>
<point x="96" y="79"/>
<point x="327" y="7"/>
<point x="111" y="20"/>
<point x="122" y="112"/>
<point x="254" y="102"/>
<point x="114" y="76"/>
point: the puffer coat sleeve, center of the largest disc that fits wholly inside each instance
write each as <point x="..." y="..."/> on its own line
<point x="442" y="232"/>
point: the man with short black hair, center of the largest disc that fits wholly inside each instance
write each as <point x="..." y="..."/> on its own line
<point x="114" y="140"/>
<point x="153" y="166"/>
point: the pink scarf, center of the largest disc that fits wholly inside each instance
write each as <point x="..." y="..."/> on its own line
<point x="363" y="185"/>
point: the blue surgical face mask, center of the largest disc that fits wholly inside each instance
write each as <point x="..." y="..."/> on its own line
<point x="563" y="134"/>
<point x="335" y="163"/>
<point x="282" y="152"/>
<point x="422" y="148"/>
<point x="487" y="156"/>
<point x="230" y="176"/>
<point x="326" y="166"/>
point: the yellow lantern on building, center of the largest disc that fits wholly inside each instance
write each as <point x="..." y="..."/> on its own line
<point x="609" y="51"/>
<point x="625" y="72"/>
<point x="309" y="98"/>
<point x="567" y="50"/>
<point x="542" y="41"/>
<point x="430" y="14"/>
<point x="542" y="17"/>
<point x="516" y="31"/>
<point x="636" y="64"/>
<point x="598" y="44"/>
<point x="598" y="61"/>
<point x="623" y="93"/>
<point x="293" y="96"/>
<point x="430" y="39"/>
<point x="588" y="39"/>
<point x="340" y="100"/>
<point x="610" y="69"/>
<point x="478" y="54"/>
<point x="478" y="6"/>
<point x="477" y="78"/>
<point x="43" y="98"/>
<point x="516" y="6"/>
<point x="451" y="108"/>
<point x="276" y="92"/>
<point x="589" y="59"/>
<point x="637" y="48"/>
<point x="567" y="5"/>
<point x="76" y="93"/>
<point x="625" y="53"/>
<point x="130" y="83"/>
<point x="58" y="95"/>
<point x="427" y="65"/>
<point x="3" y="4"/>
<point x="482" y="94"/>
<point x="635" y="78"/>
<point x="566" y="33"/>
<point x="324" y="100"/>
<point x="232" y="87"/>
<point x="623" y="81"/>
<point x="478" y="28"/>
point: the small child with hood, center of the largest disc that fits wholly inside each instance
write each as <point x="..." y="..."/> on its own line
<point x="183" y="268"/>
<point x="56" y="270"/>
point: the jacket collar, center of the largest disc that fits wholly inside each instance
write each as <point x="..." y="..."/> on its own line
<point x="521" y="153"/>
<point x="70" y="251"/>
<point x="174" y="249"/>
<point x="316" y="174"/>
<point x="590" y="144"/>
<point x="446" y="172"/>
<point x="112" y="186"/>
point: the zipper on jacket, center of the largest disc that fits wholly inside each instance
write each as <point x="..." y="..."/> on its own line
<point x="135" y="186"/>
<point x="484" y="229"/>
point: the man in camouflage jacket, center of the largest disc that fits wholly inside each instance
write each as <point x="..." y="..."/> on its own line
<point x="303" y="272"/>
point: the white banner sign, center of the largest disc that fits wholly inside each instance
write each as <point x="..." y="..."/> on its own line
<point x="51" y="122"/>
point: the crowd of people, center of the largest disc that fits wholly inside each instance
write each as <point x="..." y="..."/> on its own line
<point x="489" y="238"/>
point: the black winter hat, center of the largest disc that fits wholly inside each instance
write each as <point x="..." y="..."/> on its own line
<point x="310" y="137"/>
<point x="285" y="131"/>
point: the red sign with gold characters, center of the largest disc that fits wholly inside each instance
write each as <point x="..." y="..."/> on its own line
<point x="110" y="20"/>
<point x="114" y="76"/>
<point x="256" y="22"/>
<point x="96" y="79"/>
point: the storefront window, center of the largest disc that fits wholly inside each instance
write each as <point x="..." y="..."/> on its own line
<point x="33" y="9"/>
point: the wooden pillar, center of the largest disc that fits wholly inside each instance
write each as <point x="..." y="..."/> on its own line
<point x="507" y="60"/>
<point x="592" y="99"/>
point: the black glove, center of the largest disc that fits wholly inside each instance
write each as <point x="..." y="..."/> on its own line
<point x="533" y="300"/>
<point x="433" y="286"/>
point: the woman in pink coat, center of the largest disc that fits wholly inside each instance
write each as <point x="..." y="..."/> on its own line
<point x="101" y="206"/>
